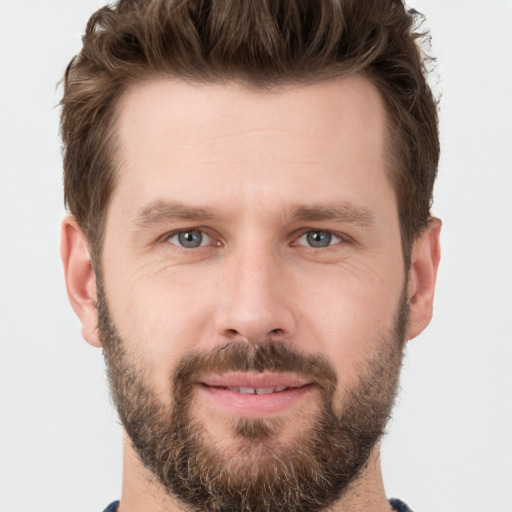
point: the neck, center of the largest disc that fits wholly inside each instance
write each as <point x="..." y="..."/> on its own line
<point x="142" y="491"/>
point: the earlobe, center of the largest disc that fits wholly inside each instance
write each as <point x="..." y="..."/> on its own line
<point x="80" y="278"/>
<point x="426" y="254"/>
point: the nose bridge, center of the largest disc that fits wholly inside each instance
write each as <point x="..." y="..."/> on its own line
<point x="255" y="301"/>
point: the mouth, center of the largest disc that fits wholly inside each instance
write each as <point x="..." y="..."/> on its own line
<point x="254" y="396"/>
<point x="255" y="391"/>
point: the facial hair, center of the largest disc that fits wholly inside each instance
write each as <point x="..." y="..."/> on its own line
<point x="307" y="475"/>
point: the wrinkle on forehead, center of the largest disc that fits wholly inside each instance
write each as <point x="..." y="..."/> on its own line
<point x="193" y="109"/>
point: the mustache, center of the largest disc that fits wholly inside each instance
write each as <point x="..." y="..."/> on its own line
<point x="269" y="357"/>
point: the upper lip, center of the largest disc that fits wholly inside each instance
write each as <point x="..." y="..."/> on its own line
<point x="255" y="380"/>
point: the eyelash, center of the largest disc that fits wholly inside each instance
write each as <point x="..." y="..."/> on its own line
<point x="342" y="238"/>
<point x="332" y="234"/>
<point x="167" y="237"/>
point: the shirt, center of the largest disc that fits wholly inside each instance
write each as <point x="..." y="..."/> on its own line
<point x="398" y="506"/>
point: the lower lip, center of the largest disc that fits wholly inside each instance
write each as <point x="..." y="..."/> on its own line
<point x="254" y="406"/>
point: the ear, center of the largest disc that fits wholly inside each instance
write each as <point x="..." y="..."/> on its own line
<point x="80" y="278"/>
<point x="426" y="253"/>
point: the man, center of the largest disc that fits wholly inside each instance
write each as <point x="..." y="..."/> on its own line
<point x="250" y="241"/>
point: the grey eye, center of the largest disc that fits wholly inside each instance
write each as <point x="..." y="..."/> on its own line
<point x="190" y="239"/>
<point x="318" y="239"/>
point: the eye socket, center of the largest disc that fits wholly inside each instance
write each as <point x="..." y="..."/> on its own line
<point x="319" y="239"/>
<point x="189" y="239"/>
<point x="195" y="238"/>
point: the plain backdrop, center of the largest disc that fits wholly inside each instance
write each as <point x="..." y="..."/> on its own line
<point x="449" y="446"/>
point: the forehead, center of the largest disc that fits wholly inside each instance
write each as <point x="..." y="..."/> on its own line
<point x="219" y="142"/>
<point x="193" y="112"/>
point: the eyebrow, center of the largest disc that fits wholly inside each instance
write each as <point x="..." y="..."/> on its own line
<point x="345" y="212"/>
<point x="162" y="211"/>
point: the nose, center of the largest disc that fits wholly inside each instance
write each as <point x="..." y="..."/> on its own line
<point x="256" y="298"/>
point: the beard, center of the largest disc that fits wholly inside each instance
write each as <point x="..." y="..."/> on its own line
<point x="264" y="473"/>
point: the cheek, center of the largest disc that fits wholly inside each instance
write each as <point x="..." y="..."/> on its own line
<point x="345" y="315"/>
<point x="162" y="316"/>
<point x="341" y="311"/>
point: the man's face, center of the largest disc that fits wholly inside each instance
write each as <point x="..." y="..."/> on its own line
<point x="252" y="276"/>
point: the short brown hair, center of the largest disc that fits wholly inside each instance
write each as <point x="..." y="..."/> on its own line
<point x="262" y="43"/>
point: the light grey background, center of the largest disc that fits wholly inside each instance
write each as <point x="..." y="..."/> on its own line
<point x="449" y="447"/>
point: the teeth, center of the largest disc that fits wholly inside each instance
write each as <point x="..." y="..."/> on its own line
<point x="264" y="391"/>
<point x="256" y="391"/>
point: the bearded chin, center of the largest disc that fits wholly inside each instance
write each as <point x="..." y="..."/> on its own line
<point x="264" y="473"/>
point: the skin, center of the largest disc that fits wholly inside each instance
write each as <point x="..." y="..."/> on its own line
<point x="251" y="159"/>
